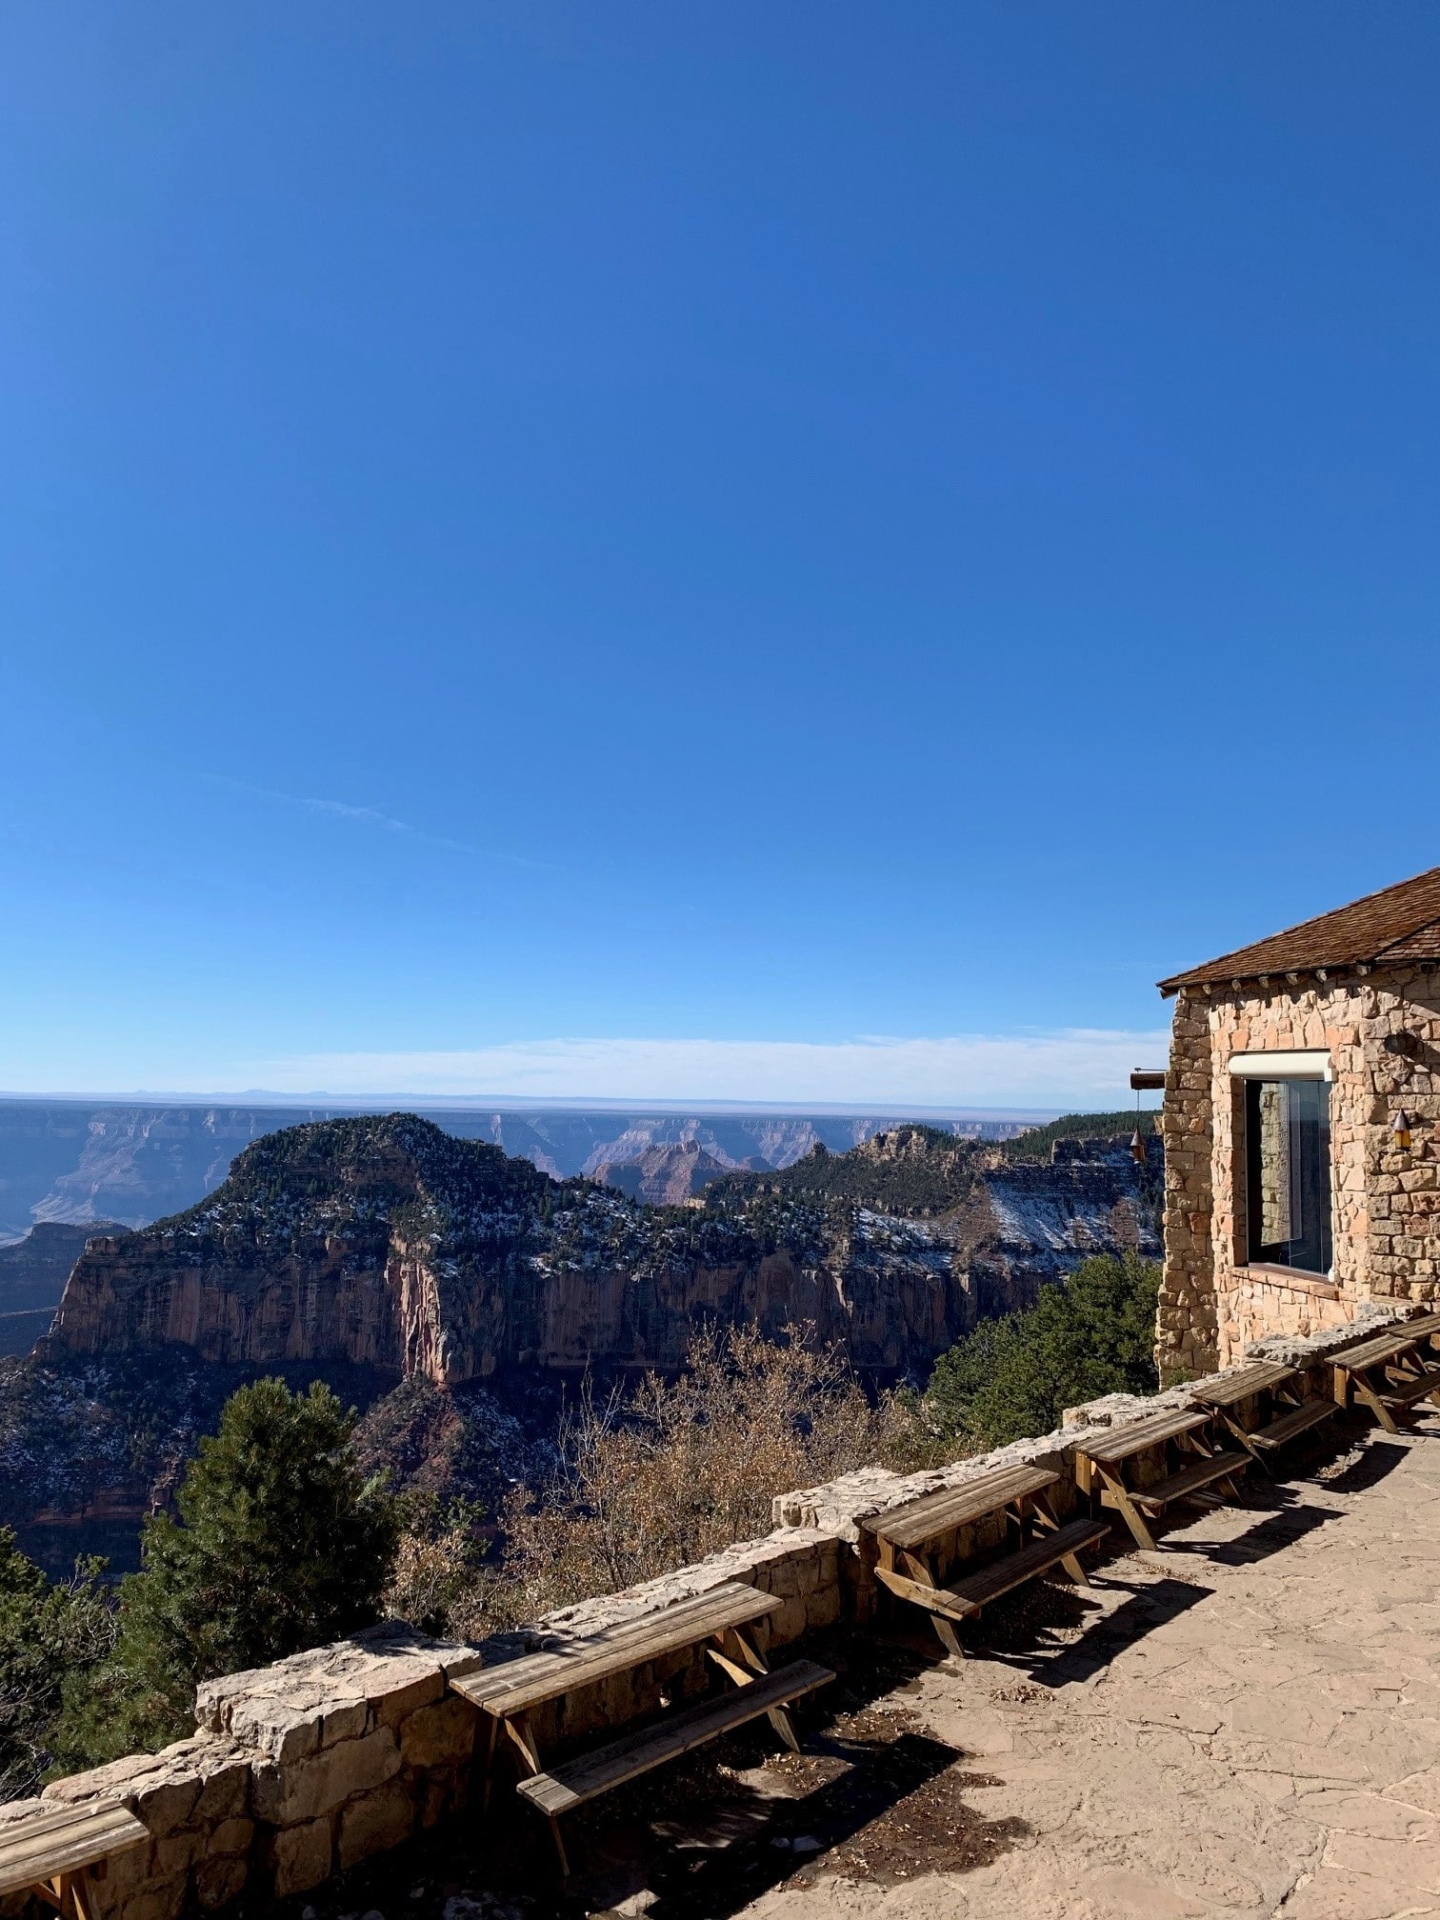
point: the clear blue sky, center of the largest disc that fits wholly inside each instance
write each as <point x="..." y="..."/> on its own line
<point x="835" y="542"/>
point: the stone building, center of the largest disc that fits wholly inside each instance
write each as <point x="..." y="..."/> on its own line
<point x="1302" y="1129"/>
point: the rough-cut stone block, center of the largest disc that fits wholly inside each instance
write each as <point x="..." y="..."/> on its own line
<point x="232" y="1836"/>
<point x="285" y="1795"/>
<point x="443" y="1792"/>
<point x="300" y="1857"/>
<point x="417" y="1689"/>
<point x="439" y="1735"/>
<point x="376" y="1821"/>
<point x="219" y="1880"/>
<point x="333" y="1694"/>
<point x="287" y="1733"/>
<point x="164" y="1789"/>
<point x="125" y="1873"/>
<point x="822" y="1607"/>
<point x="789" y="1623"/>
<point x="158" y="1900"/>
<point x="224" y="1788"/>
<point x="177" y="1852"/>
<point x="348" y="1721"/>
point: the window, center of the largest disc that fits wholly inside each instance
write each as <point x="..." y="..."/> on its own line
<point x="1287" y="1166"/>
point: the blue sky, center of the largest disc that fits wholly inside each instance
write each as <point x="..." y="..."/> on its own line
<point x="784" y="552"/>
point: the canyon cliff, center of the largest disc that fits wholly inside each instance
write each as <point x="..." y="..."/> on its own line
<point x="387" y="1243"/>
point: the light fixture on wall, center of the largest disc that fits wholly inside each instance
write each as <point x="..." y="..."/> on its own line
<point x="1400" y="1131"/>
<point x="1143" y="1079"/>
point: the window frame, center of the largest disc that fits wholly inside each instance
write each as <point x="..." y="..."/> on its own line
<point x="1252" y="1070"/>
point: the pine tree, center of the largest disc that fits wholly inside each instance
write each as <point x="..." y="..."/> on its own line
<point x="49" y="1634"/>
<point x="281" y="1544"/>
<point x="1013" y="1378"/>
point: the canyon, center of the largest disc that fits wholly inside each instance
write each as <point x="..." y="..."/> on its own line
<point x="75" y="1162"/>
<point x="385" y="1242"/>
<point x="450" y="1290"/>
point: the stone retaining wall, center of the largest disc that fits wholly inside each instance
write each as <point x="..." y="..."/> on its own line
<point x="301" y="1769"/>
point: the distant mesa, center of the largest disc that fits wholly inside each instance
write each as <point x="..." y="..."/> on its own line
<point x="73" y="1162"/>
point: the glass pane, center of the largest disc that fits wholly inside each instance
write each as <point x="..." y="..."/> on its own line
<point x="1288" y="1167"/>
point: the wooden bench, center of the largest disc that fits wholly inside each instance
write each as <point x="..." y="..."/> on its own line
<point x="720" y="1620"/>
<point x="1106" y="1458"/>
<point x="52" y="1851"/>
<point x="1302" y="1417"/>
<point x="1262" y="1380"/>
<point x="558" y="1789"/>
<point x="1387" y="1373"/>
<point x="907" y="1539"/>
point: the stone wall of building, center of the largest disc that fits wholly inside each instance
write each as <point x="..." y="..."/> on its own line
<point x="1187" y="1336"/>
<point x="1382" y="1031"/>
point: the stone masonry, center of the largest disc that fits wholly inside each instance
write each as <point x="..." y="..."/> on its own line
<point x="1381" y="1027"/>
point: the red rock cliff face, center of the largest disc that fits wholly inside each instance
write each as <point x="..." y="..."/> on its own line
<point x="388" y="1243"/>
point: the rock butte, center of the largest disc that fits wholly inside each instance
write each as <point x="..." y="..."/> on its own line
<point x="389" y="1243"/>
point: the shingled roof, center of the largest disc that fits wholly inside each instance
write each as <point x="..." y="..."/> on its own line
<point x="1400" y="923"/>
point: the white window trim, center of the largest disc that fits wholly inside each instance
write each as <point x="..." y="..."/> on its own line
<point x="1312" y="1064"/>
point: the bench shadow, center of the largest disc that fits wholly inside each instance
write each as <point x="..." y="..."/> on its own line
<point x="1378" y="1459"/>
<point x="1150" y="1605"/>
<point x="872" y="1796"/>
<point x="876" y="1811"/>
<point x="1270" y="1535"/>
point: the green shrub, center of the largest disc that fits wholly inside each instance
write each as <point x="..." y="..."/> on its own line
<point x="1013" y="1378"/>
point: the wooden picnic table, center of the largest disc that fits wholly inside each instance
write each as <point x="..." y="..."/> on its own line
<point x="907" y="1538"/>
<point x="1268" y="1379"/>
<point x="720" y="1620"/>
<point x="1387" y="1372"/>
<point x="1106" y="1460"/>
<point x="52" y="1851"/>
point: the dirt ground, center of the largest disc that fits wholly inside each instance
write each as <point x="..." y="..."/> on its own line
<point x="1243" y="1724"/>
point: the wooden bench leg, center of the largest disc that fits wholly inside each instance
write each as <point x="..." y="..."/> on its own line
<point x="920" y="1572"/>
<point x="1049" y="1521"/>
<point x="518" y="1730"/>
<point x="778" y="1717"/>
<point x="68" y="1893"/>
<point x="1366" y="1393"/>
<point x="492" y="1738"/>
<point x="1243" y="1437"/>
<point x="517" y="1726"/>
<point x="77" y="1887"/>
<point x="557" y="1837"/>
<point x="1117" y="1495"/>
<point x="780" y="1720"/>
<point x="749" y="1652"/>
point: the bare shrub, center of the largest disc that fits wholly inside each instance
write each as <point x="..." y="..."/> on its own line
<point x="657" y="1477"/>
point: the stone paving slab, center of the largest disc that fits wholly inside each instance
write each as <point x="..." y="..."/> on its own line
<point x="1257" y="1736"/>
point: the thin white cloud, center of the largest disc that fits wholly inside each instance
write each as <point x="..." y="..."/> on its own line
<point x="1083" y="1067"/>
<point x="370" y="816"/>
<point x="373" y="817"/>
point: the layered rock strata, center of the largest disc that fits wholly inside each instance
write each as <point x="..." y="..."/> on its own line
<point x="388" y="1243"/>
